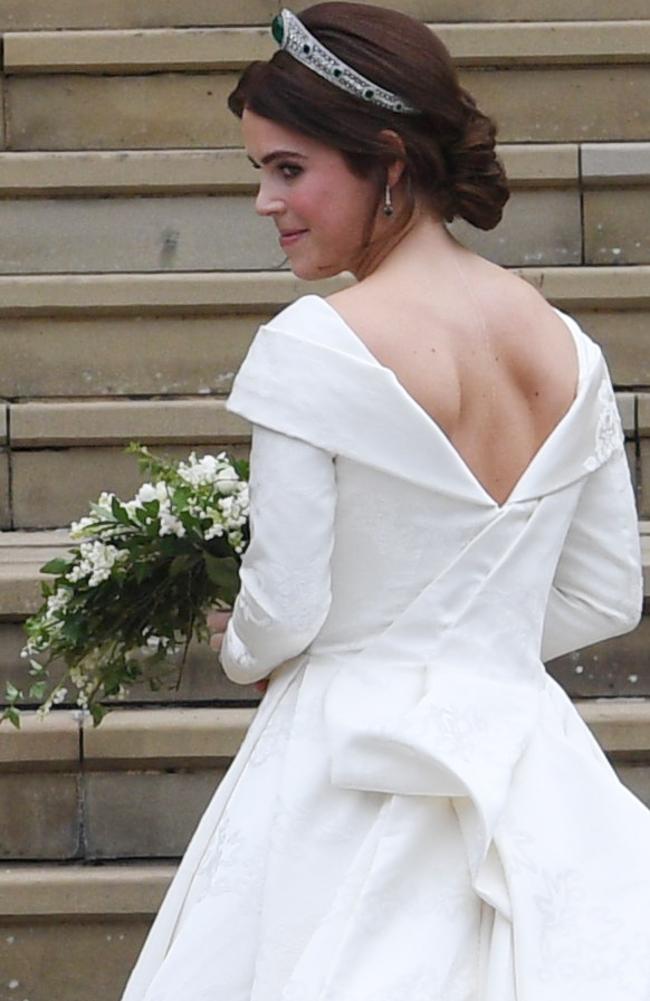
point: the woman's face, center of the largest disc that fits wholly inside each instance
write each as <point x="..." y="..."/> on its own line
<point x="318" y="205"/>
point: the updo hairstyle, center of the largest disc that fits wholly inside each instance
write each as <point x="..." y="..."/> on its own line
<point x="450" y="156"/>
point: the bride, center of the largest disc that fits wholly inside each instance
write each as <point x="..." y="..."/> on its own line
<point x="440" y="503"/>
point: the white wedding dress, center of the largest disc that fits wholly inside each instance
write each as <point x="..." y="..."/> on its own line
<point x="417" y="811"/>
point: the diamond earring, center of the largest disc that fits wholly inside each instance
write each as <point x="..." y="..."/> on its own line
<point x="388" y="204"/>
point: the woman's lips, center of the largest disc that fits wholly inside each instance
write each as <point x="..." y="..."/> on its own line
<point x="288" y="238"/>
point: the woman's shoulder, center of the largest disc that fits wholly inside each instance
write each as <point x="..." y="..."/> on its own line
<point x="313" y="319"/>
<point x="292" y="316"/>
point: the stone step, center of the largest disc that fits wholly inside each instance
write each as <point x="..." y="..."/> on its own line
<point x="143" y="355"/>
<point x="106" y="792"/>
<point x="542" y="226"/>
<point x="37" y="424"/>
<point x="26" y="15"/>
<point x="70" y="423"/>
<point x="125" y="349"/>
<point x="167" y="88"/>
<point x="219" y="171"/>
<point x="223" y="171"/>
<point x="70" y="933"/>
<point x="570" y="203"/>
<point x="63" y="453"/>
<point x="17" y="15"/>
<point x="53" y="481"/>
<point x="578" y="200"/>
<point x="215" y="293"/>
<point x="204" y="293"/>
<point x="225" y="48"/>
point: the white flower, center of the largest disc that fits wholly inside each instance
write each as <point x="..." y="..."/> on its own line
<point x="226" y="481"/>
<point x="216" y="530"/>
<point x="77" y="677"/>
<point x="154" y="642"/>
<point x="151" y="492"/>
<point x="170" y="524"/>
<point x="78" y="528"/>
<point x="57" y="601"/>
<point x="199" y="471"/>
<point x="211" y="470"/>
<point x="59" y="696"/>
<point x="233" y="511"/>
<point x="97" y="560"/>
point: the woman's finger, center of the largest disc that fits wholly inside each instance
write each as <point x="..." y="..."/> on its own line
<point x="216" y="640"/>
<point x="218" y="620"/>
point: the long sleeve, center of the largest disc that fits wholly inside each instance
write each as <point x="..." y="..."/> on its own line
<point x="597" y="591"/>
<point x="285" y="573"/>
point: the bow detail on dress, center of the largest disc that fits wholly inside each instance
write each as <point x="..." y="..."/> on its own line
<point x="444" y="701"/>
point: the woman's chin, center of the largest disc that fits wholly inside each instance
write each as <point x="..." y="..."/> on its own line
<point x="313" y="273"/>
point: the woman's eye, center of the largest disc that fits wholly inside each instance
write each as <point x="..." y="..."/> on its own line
<point x="289" y="170"/>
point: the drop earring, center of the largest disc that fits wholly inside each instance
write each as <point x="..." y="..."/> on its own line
<point x="388" y="204"/>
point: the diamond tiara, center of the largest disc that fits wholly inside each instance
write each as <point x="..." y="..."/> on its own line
<point x="292" y="36"/>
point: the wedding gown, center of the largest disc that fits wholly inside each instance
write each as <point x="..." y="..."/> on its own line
<point x="417" y="811"/>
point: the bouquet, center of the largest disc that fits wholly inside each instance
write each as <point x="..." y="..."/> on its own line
<point x="140" y="584"/>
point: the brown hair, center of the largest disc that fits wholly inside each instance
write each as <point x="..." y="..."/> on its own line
<point x="450" y="157"/>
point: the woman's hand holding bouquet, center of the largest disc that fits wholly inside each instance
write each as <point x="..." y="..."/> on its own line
<point x="217" y="622"/>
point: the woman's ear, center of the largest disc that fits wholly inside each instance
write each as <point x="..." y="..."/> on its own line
<point x="395" y="167"/>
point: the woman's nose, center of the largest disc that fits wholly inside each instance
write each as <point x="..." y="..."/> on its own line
<point x="266" y="203"/>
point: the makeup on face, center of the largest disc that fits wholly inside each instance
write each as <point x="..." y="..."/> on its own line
<point x="318" y="205"/>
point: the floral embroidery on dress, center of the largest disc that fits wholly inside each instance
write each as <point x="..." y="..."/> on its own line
<point x="582" y="940"/>
<point x="609" y="430"/>
<point x="226" y="866"/>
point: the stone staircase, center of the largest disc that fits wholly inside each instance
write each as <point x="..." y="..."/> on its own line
<point x="133" y="274"/>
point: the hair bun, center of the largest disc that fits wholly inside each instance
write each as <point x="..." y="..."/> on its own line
<point x="479" y="186"/>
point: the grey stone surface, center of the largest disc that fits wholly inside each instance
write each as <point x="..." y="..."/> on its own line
<point x="40" y="815"/>
<point x="618" y="666"/>
<point x="184" y="233"/>
<point x="539" y="227"/>
<point x="155" y="111"/>
<point x="644" y="477"/>
<point x="122" y="356"/>
<point x="564" y="104"/>
<point x="144" y="815"/>
<point x="624" y="335"/>
<point x="636" y="776"/>
<point x="53" y="487"/>
<point x="55" y="960"/>
<point x="5" y="500"/>
<point x="615" y="223"/>
<point x="617" y="162"/>
<point x="17" y="15"/>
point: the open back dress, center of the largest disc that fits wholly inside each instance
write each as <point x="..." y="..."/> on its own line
<point x="417" y="811"/>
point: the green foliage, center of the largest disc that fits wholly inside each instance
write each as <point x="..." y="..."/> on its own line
<point x="139" y="586"/>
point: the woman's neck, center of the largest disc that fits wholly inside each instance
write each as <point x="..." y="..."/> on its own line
<point x="425" y="249"/>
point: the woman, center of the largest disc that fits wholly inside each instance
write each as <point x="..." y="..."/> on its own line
<point x="440" y="502"/>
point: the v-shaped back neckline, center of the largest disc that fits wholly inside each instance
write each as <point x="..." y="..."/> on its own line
<point x="438" y="430"/>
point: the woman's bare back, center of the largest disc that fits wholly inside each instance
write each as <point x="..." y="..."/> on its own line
<point x="487" y="359"/>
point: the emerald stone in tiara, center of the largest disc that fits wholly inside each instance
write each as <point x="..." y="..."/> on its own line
<point x="292" y="36"/>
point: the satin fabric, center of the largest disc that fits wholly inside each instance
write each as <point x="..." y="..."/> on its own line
<point x="417" y="809"/>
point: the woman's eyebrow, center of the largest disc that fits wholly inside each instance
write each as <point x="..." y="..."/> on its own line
<point x="276" y="155"/>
